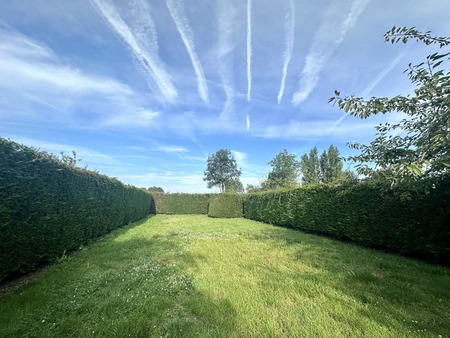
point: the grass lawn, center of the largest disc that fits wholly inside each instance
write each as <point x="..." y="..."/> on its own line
<point x="193" y="276"/>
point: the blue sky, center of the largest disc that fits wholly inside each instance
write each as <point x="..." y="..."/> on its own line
<point x="144" y="90"/>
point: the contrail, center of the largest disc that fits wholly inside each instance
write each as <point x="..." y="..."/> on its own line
<point x="338" y="20"/>
<point x="289" y="27"/>
<point x="380" y="76"/>
<point x="227" y="17"/>
<point x="140" y="38"/>
<point x="248" y="122"/>
<point x="179" y="17"/>
<point x="249" y="48"/>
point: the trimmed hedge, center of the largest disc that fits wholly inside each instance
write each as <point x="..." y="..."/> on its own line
<point x="226" y="206"/>
<point x="412" y="221"/>
<point x="48" y="208"/>
<point x="181" y="204"/>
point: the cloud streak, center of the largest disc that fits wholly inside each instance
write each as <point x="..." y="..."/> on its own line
<point x="338" y="20"/>
<point x="226" y="21"/>
<point x="179" y="17"/>
<point x="249" y="49"/>
<point x="380" y="76"/>
<point x="139" y="36"/>
<point x="35" y="78"/>
<point x="29" y="64"/>
<point x="172" y="149"/>
<point x="289" y="28"/>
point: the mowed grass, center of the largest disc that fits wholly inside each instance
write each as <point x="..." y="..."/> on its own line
<point x="193" y="276"/>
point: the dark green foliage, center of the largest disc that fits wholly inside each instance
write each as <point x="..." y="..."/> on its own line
<point x="331" y="166"/>
<point x="310" y="167"/>
<point x="410" y="220"/>
<point x="285" y="169"/>
<point x="179" y="204"/>
<point x="48" y="208"/>
<point x="226" y="206"/>
<point x="326" y="169"/>
<point x="155" y="189"/>
<point x="221" y="170"/>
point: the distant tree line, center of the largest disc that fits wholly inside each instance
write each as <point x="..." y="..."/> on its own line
<point x="287" y="171"/>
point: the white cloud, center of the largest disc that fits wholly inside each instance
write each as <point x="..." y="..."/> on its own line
<point x="226" y="17"/>
<point x="180" y="19"/>
<point x="140" y="37"/>
<point x="307" y="130"/>
<point x="239" y="156"/>
<point x="88" y="156"/>
<point x="31" y="67"/>
<point x="172" y="149"/>
<point x="249" y="49"/>
<point x="289" y="45"/>
<point x="169" y="181"/>
<point x="140" y="118"/>
<point x="338" y="20"/>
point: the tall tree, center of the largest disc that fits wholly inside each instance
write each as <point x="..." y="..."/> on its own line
<point x="285" y="169"/>
<point x="310" y="167"/>
<point x="221" y="170"/>
<point x="234" y="186"/>
<point x="331" y="165"/>
<point x="418" y="145"/>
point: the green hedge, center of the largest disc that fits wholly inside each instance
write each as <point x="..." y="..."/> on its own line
<point x="48" y="208"/>
<point x="226" y="206"/>
<point x="181" y="204"/>
<point x="410" y="220"/>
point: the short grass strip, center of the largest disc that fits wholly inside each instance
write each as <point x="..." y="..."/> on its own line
<point x="193" y="276"/>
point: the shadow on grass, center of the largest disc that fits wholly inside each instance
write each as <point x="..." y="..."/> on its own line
<point x="118" y="287"/>
<point x="387" y="288"/>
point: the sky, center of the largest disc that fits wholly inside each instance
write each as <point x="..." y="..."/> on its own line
<point x="145" y="90"/>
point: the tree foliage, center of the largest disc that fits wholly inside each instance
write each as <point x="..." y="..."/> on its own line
<point x="221" y="170"/>
<point x="310" y="167"/>
<point x="234" y="186"/>
<point x="326" y="169"/>
<point x="155" y="189"/>
<point x="285" y="170"/>
<point x="331" y="165"/>
<point x="418" y="145"/>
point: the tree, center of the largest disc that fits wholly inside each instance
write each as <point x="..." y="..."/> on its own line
<point x="221" y="170"/>
<point x="252" y="188"/>
<point x="418" y="145"/>
<point x="331" y="165"/>
<point x="310" y="167"/>
<point x="234" y="186"/>
<point x="155" y="189"/>
<point x="285" y="169"/>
